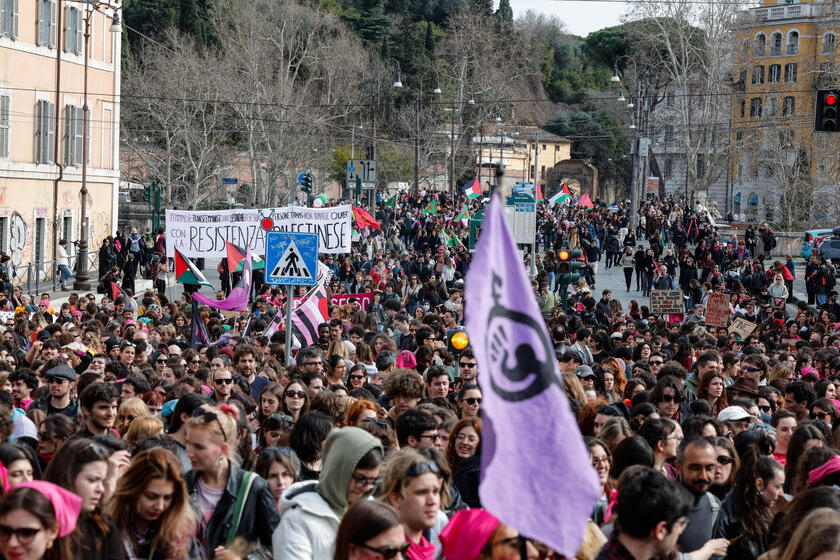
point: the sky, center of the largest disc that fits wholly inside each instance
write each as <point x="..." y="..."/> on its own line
<point x="581" y="18"/>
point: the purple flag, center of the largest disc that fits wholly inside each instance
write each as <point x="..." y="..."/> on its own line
<point x="198" y="330"/>
<point x="239" y="296"/>
<point x="536" y="474"/>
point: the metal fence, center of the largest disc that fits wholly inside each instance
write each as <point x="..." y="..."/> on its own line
<point x="35" y="278"/>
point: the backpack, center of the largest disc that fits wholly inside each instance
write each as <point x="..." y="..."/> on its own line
<point x="829" y="278"/>
<point x="149" y="242"/>
<point x="135" y="245"/>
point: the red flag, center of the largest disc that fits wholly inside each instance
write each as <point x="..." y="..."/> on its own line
<point x="539" y="193"/>
<point x="364" y="219"/>
<point x="585" y="201"/>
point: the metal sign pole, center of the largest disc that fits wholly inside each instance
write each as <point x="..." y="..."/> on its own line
<point x="289" y="325"/>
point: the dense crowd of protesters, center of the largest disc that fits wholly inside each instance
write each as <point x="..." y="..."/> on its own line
<point x="124" y="438"/>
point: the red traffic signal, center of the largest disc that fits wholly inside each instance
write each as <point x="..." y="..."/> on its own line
<point x="826" y="111"/>
<point x="563" y="255"/>
<point x="830" y="99"/>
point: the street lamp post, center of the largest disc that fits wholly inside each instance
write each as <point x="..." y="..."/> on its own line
<point x="82" y="282"/>
<point x="636" y="126"/>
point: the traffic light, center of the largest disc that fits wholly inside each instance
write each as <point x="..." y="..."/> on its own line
<point x="566" y="269"/>
<point x="148" y="193"/>
<point x="826" y="118"/>
<point x="457" y="340"/>
<point x="358" y="186"/>
<point x="306" y="183"/>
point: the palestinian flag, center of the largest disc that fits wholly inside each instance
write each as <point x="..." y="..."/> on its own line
<point x="585" y="201"/>
<point x="117" y="291"/>
<point x="187" y="273"/>
<point x="236" y="258"/>
<point x="561" y="196"/>
<point x="473" y="191"/>
<point x="392" y="202"/>
<point x="464" y="214"/>
<point x="431" y="208"/>
<point x="539" y="193"/>
<point x="364" y="219"/>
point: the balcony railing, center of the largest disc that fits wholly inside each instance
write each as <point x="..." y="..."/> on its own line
<point x="783" y="12"/>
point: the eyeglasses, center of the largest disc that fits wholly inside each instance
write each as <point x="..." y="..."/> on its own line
<point x="356" y="377"/>
<point x="225" y="381"/>
<point x="209" y="417"/>
<point x="655" y="362"/>
<point x="467" y="364"/>
<point x="162" y="361"/>
<point x="725" y="460"/>
<point x="417" y="469"/>
<point x="56" y="380"/>
<point x="283" y="417"/>
<point x="670" y="398"/>
<point x="24" y="534"/>
<point x="433" y="437"/>
<point x="296" y="394"/>
<point x="388" y="552"/>
<point x="600" y="461"/>
<point x="364" y="482"/>
<point x="473" y="400"/>
<point x="466" y="438"/>
<point x="382" y="423"/>
<point x="821" y="415"/>
<point x="195" y="361"/>
<point x="751" y="369"/>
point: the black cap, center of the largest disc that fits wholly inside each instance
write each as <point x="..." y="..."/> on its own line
<point x="63" y="372"/>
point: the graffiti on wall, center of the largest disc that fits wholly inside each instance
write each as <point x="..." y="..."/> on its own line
<point x="17" y="237"/>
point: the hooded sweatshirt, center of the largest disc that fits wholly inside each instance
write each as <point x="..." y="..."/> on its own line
<point x="311" y="511"/>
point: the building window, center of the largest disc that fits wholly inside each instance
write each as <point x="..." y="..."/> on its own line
<point x="772" y="105"/>
<point x="44" y="132"/>
<point x="5" y="122"/>
<point x="38" y="250"/>
<point x="73" y="30"/>
<point x="788" y="106"/>
<point x="46" y="23"/>
<point x="67" y="230"/>
<point x="9" y="18"/>
<point x="739" y="138"/>
<point x="557" y="147"/>
<point x="755" y="107"/>
<point x="790" y="72"/>
<point x="776" y="44"/>
<point x="774" y="73"/>
<point x="760" y="45"/>
<point x="792" y="43"/>
<point x="668" y="167"/>
<point x="786" y="139"/>
<point x="758" y="75"/>
<point x="745" y="48"/>
<point x="743" y="107"/>
<point x="829" y="43"/>
<point x="73" y="131"/>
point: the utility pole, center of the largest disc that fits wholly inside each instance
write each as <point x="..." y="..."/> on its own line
<point x="634" y="184"/>
<point x="536" y="186"/>
<point x="452" y="152"/>
<point x="417" y="144"/>
<point x="373" y="153"/>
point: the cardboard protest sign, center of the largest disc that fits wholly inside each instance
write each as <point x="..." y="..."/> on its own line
<point x="717" y="310"/>
<point x="741" y="327"/>
<point x="667" y="302"/>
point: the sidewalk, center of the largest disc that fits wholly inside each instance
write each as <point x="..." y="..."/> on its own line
<point x="57" y="297"/>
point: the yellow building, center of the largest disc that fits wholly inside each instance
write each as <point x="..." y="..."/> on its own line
<point x="41" y="126"/>
<point x="517" y="148"/>
<point x="784" y="52"/>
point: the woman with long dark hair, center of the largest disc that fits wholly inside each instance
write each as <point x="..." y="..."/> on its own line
<point x="36" y="518"/>
<point x="152" y="510"/>
<point x="710" y="388"/>
<point x="370" y="529"/>
<point x="81" y="466"/>
<point x="745" y="514"/>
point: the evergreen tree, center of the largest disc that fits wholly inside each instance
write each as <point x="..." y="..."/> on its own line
<point x="482" y="6"/>
<point x="429" y="41"/>
<point x="504" y="13"/>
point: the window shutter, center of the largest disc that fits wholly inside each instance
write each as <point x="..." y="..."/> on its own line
<point x="40" y="31"/>
<point x="15" y="18"/>
<point x="51" y="15"/>
<point x="51" y="128"/>
<point x="67" y="35"/>
<point x="38" y="132"/>
<point x="80" y="130"/>
<point x="67" y="135"/>
<point x="78" y="31"/>
<point x="4" y="125"/>
<point x="4" y="18"/>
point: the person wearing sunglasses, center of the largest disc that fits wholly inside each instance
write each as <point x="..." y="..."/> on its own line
<point x="310" y="511"/>
<point x="222" y="386"/>
<point x="295" y="399"/>
<point x="371" y="530"/>
<point x="414" y="485"/>
<point x="825" y="411"/>
<point x="476" y="534"/>
<point x="35" y="520"/>
<point x="725" y="467"/>
<point x="216" y="483"/>
<point x="469" y="401"/>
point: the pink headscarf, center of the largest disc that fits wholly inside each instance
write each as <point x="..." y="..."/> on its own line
<point x="66" y="505"/>
<point x="467" y="533"/>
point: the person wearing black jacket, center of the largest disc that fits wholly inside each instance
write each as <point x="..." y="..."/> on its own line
<point x="639" y="261"/>
<point x="107" y="257"/>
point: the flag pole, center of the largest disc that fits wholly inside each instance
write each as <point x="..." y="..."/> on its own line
<point x="288" y="326"/>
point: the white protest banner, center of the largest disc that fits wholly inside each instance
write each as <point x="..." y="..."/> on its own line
<point x="203" y="234"/>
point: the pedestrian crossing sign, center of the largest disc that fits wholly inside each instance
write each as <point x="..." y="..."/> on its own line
<point x="291" y="258"/>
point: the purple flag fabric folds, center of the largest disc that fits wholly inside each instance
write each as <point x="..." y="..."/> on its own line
<point x="239" y="296"/>
<point x="536" y="474"/>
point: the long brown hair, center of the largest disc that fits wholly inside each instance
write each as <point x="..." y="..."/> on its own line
<point x="703" y="391"/>
<point x="451" y="456"/>
<point x="361" y="522"/>
<point x="178" y="524"/>
<point x="36" y="504"/>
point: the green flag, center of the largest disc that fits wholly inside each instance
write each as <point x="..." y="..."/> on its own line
<point x="464" y="214"/>
<point x="392" y="202"/>
<point x="431" y="208"/>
